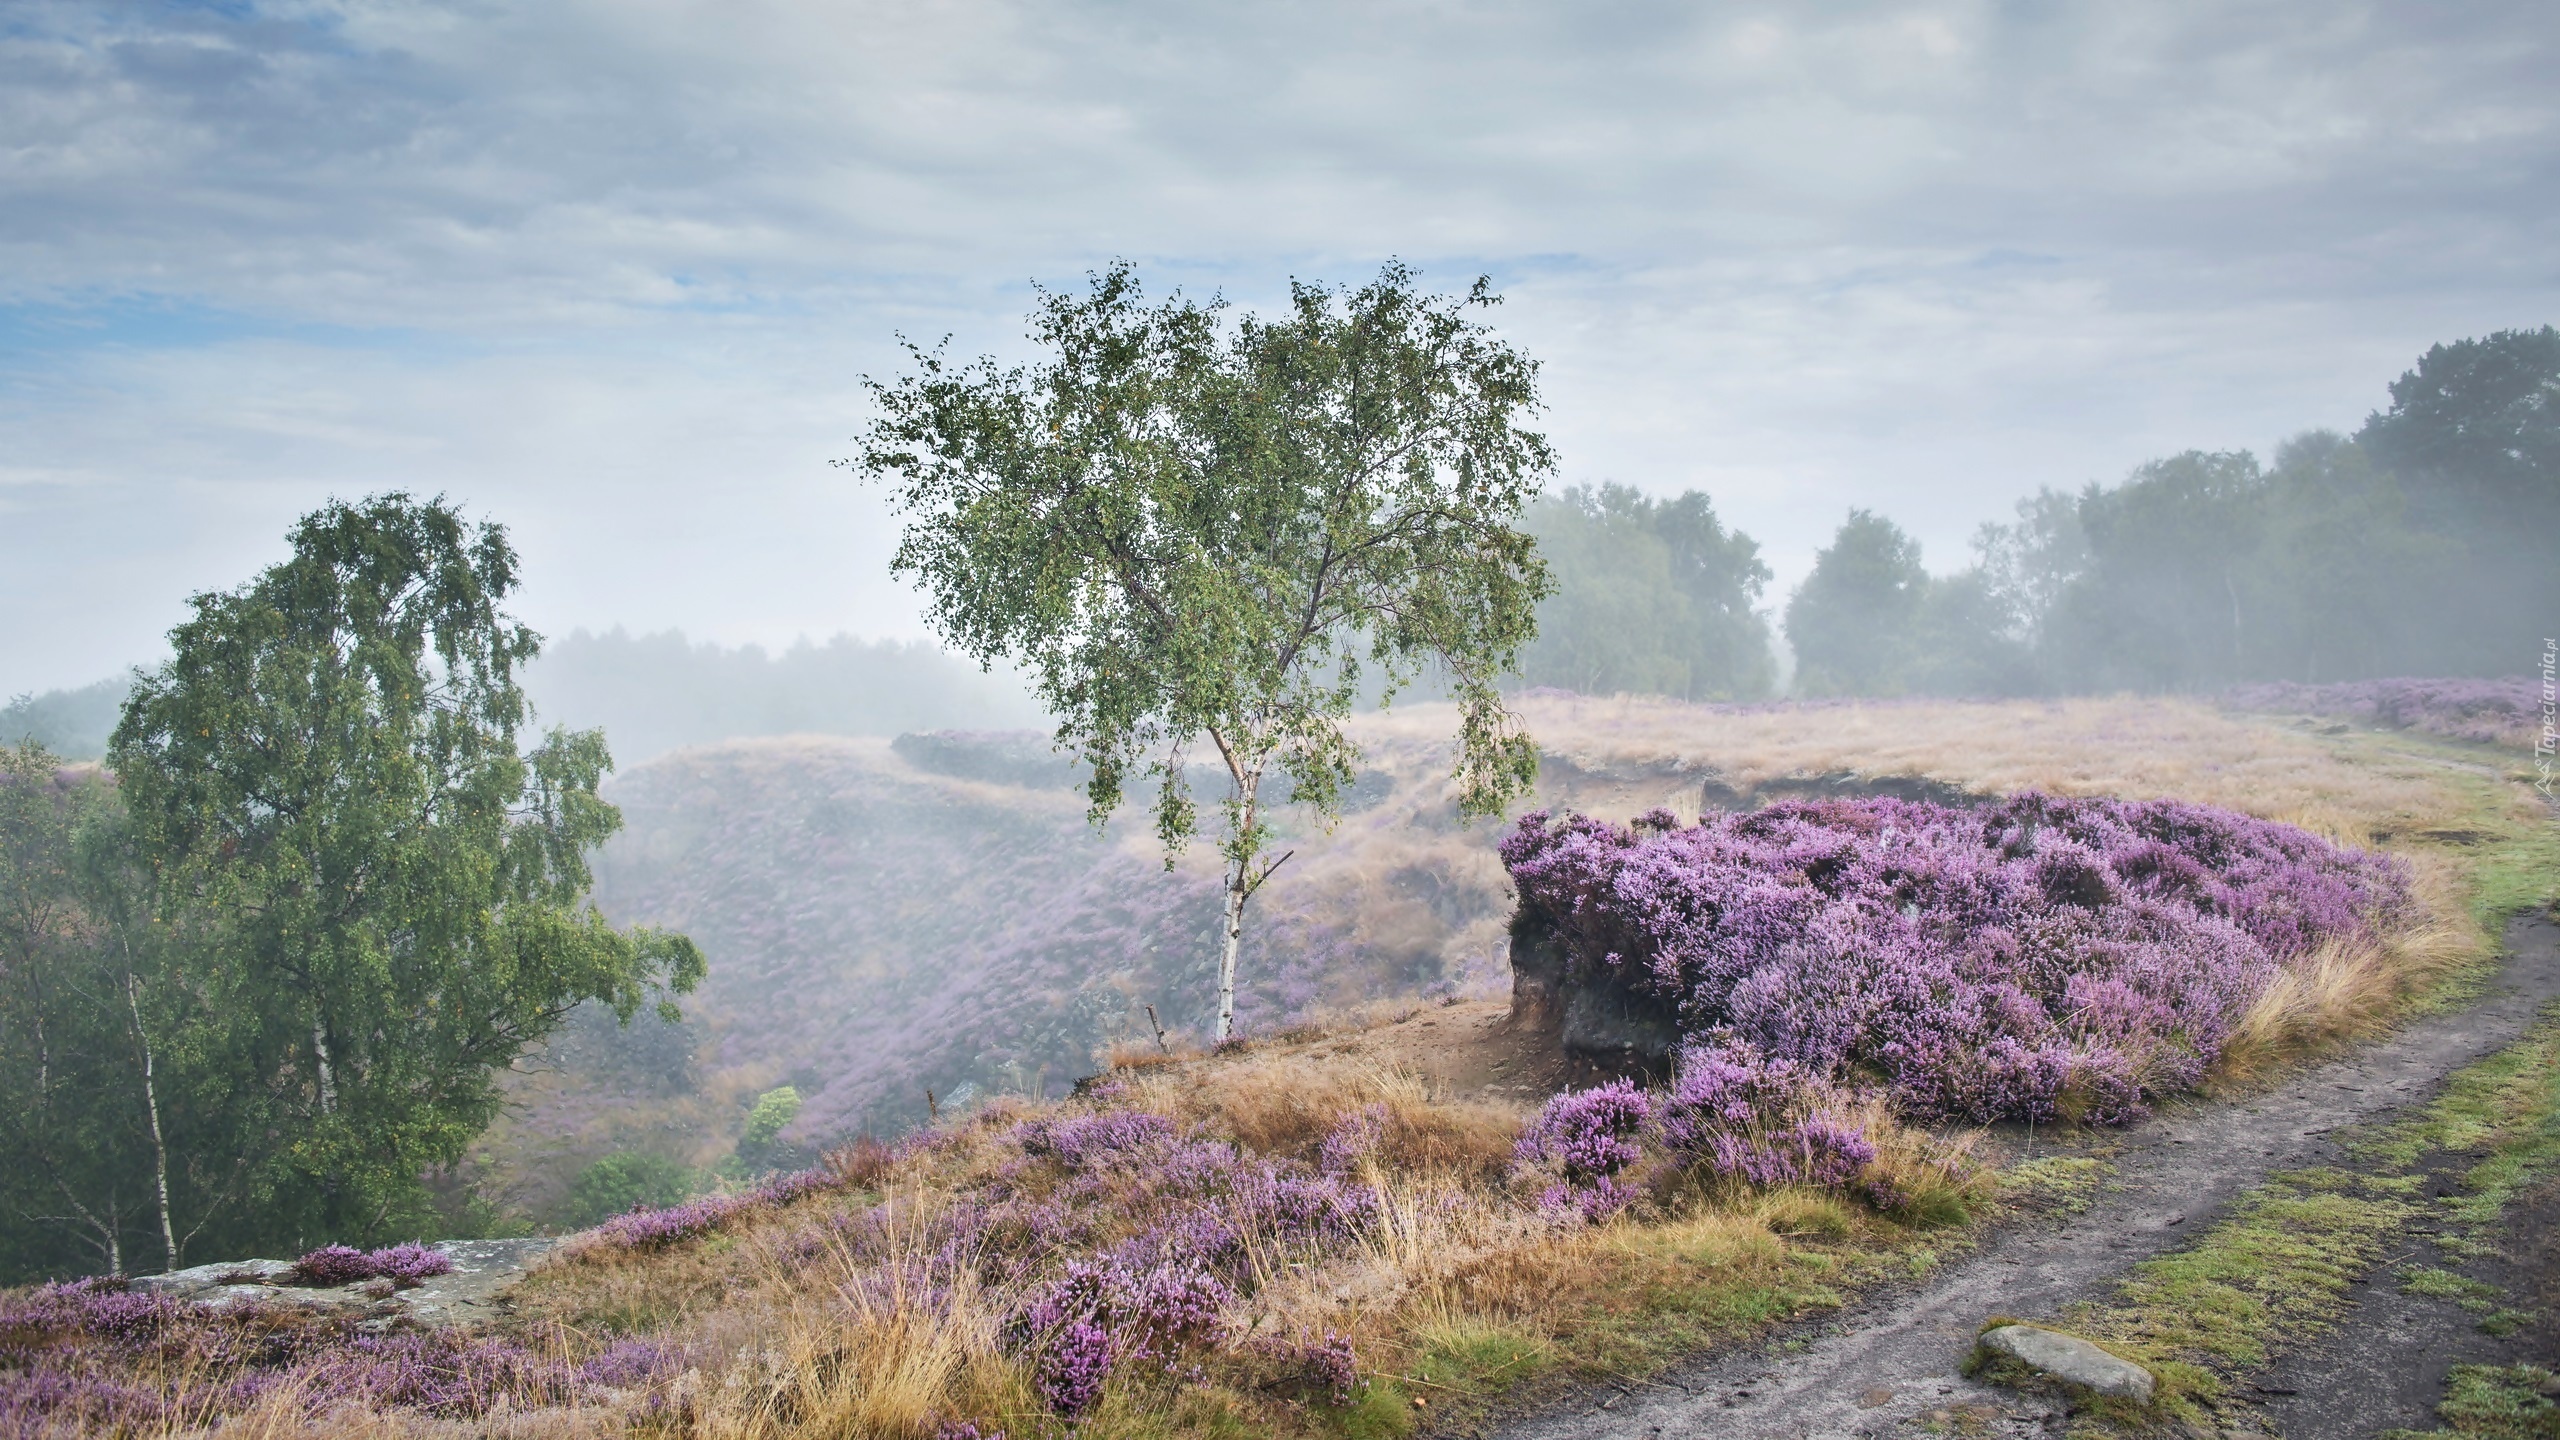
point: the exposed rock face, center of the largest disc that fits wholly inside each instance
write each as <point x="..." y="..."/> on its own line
<point x="2071" y="1359"/>
<point x="483" y="1271"/>
<point x="1595" y="1017"/>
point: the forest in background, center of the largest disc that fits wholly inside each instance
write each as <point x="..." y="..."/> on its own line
<point x="2413" y="545"/>
<point x="2420" y="545"/>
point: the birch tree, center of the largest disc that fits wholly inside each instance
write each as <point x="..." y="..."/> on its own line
<point x="332" y="768"/>
<point x="1204" y="537"/>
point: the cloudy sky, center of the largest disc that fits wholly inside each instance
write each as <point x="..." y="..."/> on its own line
<point x="609" y="270"/>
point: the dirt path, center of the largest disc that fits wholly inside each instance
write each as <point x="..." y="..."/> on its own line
<point x="1888" y="1363"/>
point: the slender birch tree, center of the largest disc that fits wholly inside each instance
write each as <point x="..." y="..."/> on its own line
<point x="331" y="767"/>
<point x="1199" y="534"/>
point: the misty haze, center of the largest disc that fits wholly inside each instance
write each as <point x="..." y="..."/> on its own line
<point x="973" y="722"/>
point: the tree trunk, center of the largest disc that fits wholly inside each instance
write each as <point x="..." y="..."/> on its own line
<point x="1239" y="886"/>
<point x="2239" y="667"/>
<point x="1227" y="957"/>
<point x="151" y="1100"/>
<point x="328" y="1082"/>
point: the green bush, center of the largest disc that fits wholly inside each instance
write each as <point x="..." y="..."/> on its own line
<point x="774" y="1109"/>
<point x="629" y="1180"/>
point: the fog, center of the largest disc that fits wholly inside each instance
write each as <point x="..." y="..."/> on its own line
<point x="608" y="275"/>
<point x="1890" y="352"/>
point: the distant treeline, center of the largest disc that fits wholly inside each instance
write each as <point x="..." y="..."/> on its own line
<point x="71" y="723"/>
<point x="655" y="693"/>
<point x="2421" y="545"/>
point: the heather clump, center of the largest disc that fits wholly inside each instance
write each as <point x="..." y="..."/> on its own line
<point x="404" y="1265"/>
<point x="2033" y="958"/>
<point x="646" y="1228"/>
<point x="1585" y="1141"/>
<point x="1098" y="1315"/>
<point x="2504" y="711"/>
<point x="92" y="1357"/>
<point x="1744" y="1116"/>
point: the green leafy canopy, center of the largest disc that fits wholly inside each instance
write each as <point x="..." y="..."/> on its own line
<point x="1187" y="528"/>
<point x="330" y="767"/>
<point x="1191" y="529"/>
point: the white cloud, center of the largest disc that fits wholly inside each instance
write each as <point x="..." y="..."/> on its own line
<point x="609" y="269"/>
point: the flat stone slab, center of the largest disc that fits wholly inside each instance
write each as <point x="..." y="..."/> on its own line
<point x="483" y="1271"/>
<point x="2071" y="1359"/>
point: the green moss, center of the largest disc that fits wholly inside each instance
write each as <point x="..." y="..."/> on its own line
<point x="2445" y="1285"/>
<point x="2518" y="871"/>
<point x="2061" y="1184"/>
<point x="2280" y="1265"/>
<point x="1382" y="1411"/>
<point x="2495" y="1402"/>
<point x="2503" y="1323"/>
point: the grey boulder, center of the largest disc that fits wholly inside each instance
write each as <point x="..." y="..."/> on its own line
<point x="2071" y="1359"/>
<point x="477" y="1285"/>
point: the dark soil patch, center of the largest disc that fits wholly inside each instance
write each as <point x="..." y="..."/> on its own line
<point x="2387" y="1366"/>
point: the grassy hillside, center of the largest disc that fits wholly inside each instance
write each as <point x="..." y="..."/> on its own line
<point x="1390" y="1221"/>
<point x="878" y="926"/>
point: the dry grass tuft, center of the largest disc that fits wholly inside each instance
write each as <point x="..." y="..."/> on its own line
<point x="861" y="1165"/>
<point x="2353" y="990"/>
<point x="1924" y="1178"/>
<point x="1286" y="1104"/>
<point x="1135" y="1055"/>
<point x="880" y="1352"/>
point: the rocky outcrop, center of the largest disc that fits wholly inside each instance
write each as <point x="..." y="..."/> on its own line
<point x="1594" y="1017"/>
<point x="475" y="1289"/>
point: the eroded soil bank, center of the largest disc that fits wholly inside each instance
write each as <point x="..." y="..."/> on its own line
<point x="1889" y="1365"/>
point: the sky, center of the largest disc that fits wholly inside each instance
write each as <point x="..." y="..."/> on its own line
<point x="610" y="271"/>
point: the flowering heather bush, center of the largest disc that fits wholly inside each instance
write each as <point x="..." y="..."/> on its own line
<point x="1590" y="1138"/>
<point x="1353" y="1141"/>
<point x="89" y="1357"/>
<point x="406" y="1264"/>
<point x="96" y="1309"/>
<point x="631" y="1364"/>
<point x="410" y="1262"/>
<point x="1080" y="1140"/>
<point x="1589" y="1134"/>
<point x="1071" y="1365"/>
<point x="645" y="1229"/>
<point x="2035" y="957"/>
<point x="1328" y="1365"/>
<point x="441" y="1372"/>
<point x="332" y="1265"/>
<point x="1768" y="1122"/>
<point x="2484" y="712"/>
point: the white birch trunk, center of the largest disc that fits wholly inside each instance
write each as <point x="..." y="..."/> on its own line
<point x="328" y="1081"/>
<point x="1239" y="886"/>
<point x="151" y="1100"/>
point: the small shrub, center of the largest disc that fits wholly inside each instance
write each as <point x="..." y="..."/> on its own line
<point x="862" y="1165"/>
<point x="774" y="1109"/>
<point x="404" y="1265"/>
<point x="626" y="1181"/>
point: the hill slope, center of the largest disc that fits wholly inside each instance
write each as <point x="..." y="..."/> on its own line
<point x="878" y="925"/>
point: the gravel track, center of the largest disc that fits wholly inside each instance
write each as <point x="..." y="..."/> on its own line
<point x="1883" y="1365"/>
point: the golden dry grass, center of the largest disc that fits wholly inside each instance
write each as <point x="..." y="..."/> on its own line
<point x="1456" y="1262"/>
<point x="2135" y="747"/>
<point x="2353" y="990"/>
<point x="1460" y="1290"/>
